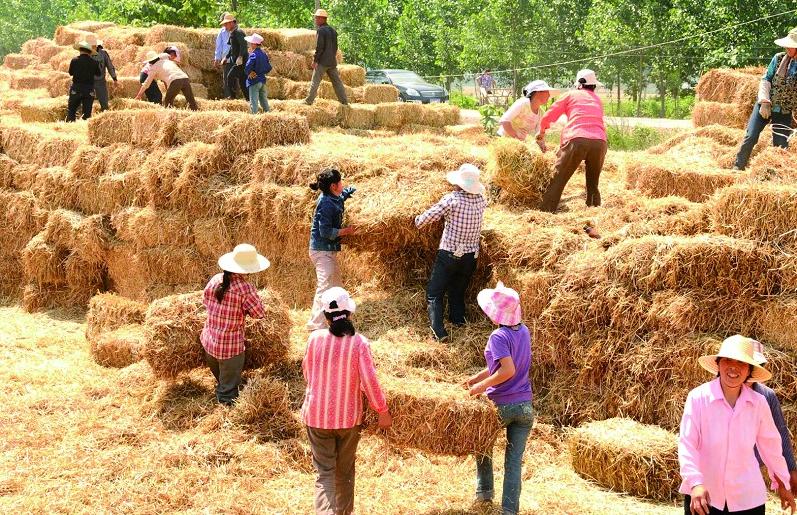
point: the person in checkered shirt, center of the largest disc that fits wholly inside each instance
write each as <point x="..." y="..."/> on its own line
<point x="463" y="210"/>
<point x="229" y="298"/>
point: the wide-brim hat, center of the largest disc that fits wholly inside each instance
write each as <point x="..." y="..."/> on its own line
<point x="244" y="259"/>
<point x="590" y="79"/>
<point x="255" y="39"/>
<point x="790" y="41"/>
<point x="340" y="297"/>
<point x="538" y="85"/>
<point x="83" y="45"/>
<point x="228" y="18"/>
<point x="501" y="304"/>
<point x="321" y="13"/>
<point x="150" y="56"/>
<point x="467" y="178"/>
<point x="740" y="348"/>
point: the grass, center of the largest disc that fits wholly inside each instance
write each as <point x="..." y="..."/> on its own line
<point x="651" y="107"/>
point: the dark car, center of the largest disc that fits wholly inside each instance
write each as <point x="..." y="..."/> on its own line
<point x="412" y="88"/>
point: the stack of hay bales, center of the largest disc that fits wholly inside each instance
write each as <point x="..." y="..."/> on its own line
<point x="726" y="96"/>
<point x="114" y="330"/>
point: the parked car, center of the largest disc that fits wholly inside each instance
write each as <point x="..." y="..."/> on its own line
<point x="412" y="88"/>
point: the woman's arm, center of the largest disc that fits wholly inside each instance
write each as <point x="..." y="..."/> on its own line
<point x="481" y="376"/>
<point x="505" y="372"/>
<point x="553" y="113"/>
<point x="327" y="225"/>
<point x="689" y="456"/>
<point x="509" y="129"/>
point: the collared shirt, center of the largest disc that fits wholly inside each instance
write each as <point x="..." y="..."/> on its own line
<point x="327" y="221"/>
<point x="83" y="69"/>
<point x="258" y="62"/>
<point x="463" y="213"/>
<point x="523" y="119"/>
<point x="326" y="48"/>
<point x="222" y="42"/>
<point x="769" y="74"/>
<point x="715" y="447"/>
<point x="103" y="58"/>
<point x="223" y="334"/>
<point x="165" y="70"/>
<point x="780" y="423"/>
<point x="584" y="111"/>
<point x="337" y="370"/>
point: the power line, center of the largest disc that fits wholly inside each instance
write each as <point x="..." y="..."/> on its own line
<point x="628" y="51"/>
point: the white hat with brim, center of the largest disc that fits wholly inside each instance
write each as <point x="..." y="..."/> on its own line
<point x="244" y="259"/>
<point x="789" y="41"/>
<point x="341" y="298"/>
<point x="83" y="45"/>
<point x="590" y="79"/>
<point x="500" y="304"/>
<point x="255" y="39"/>
<point x="321" y="13"/>
<point x="740" y="348"/>
<point x="150" y="56"/>
<point x="467" y="178"/>
<point x="538" y="85"/>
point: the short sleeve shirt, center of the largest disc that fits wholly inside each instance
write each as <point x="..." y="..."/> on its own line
<point x="515" y="343"/>
<point x="522" y="118"/>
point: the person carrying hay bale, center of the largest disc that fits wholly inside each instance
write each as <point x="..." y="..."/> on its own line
<point x="338" y="368"/>
<point x="325" y="235"/>
<point x="723" y="421"/>
<point x="153" y="92"/>
<point x="165" y="68"/>
<point x="506" y="383"/>
<point x="233" y="62"/>
<point x="583" y="139"/>
<point x="777" y="100"/>
<point x="83" y="69"/>
<point x="257" y="66"/>
<point x="229" y="299"/>
<point x="325" y="60"/>
<point x="523" y="116"/>
<point x="106" y="66"/>
<point x="463" y="211"/>
<point x="777" y="416"/>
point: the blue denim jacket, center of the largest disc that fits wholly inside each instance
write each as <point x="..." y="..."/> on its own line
<point x="327" y="221"/>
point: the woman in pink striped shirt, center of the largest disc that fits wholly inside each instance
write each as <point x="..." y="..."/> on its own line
<point x="723" y="421"/>
<point x="338" y="368"/>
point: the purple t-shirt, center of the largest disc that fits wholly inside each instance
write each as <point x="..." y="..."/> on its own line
<point x="504" y="342"/>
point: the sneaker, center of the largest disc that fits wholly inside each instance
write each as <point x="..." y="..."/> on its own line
<point x="440" y="334"/>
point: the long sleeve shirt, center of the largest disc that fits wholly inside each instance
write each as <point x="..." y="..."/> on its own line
<point x="238" y="47"/>
<point x="715" y="447"/>
<point x="337" y="371"/>
<point x="83" y="69"/>
<point x="584" y="111"/>
<point x="164" y="70"/>
<point x="258" y="62"/>
<point x="463" y="213"/>
<point x="780" y="423"/>
<point x="103" y="58"/>
<point x="769" y="76"/>
<point x="222" y="42"/>
<point x="327" y="221"/>
<point x="223" y="333"/>
<point x="326" y="46"/>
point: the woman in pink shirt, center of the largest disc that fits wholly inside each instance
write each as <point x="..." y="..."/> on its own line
<point x="338" y="368"/>
<point x="583" y="139"/>
<point x="723" y="421"/>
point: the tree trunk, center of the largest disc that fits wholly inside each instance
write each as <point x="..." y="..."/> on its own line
<point x="663" y="99"/>
<point x="317" y="4"/>
<point x="234" y="6"/>
<point x="639" y="96"/>
<point x="618" y="92"/>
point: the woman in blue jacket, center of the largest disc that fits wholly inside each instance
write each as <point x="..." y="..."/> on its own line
<point x="325" y="237"/>
<point x="257" y="66"/>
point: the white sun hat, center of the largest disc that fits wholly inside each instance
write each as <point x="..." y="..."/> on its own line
<point x="151" y="56"/>
<point x="244" y="259"/>
<point x="83" y="45"/>
<point x="467" y="178"/>
<point x="790" y="41"/>
<point x="341" y="298"/>
<point x="742" y="349"/>
<point x="255" y="39"/>
<point x="590" y="79"/>
<point x="538" y="85"/>
<point x="500" y="304"/>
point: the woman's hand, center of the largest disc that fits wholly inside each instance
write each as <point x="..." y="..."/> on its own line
<point x="465" y="384"/>
<point x="541" y="143"/>
<point x="700" y="504"/>
<point x="348" y="231"/>
<point x="765" y="110"/>
<point x="385" y="420"/>
<point x="793" y="481"/>
<point x="477" y="389"/>
<point x="786" y="498"/>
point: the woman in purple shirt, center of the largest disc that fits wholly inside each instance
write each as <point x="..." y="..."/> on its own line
<point x="506" y="383"/>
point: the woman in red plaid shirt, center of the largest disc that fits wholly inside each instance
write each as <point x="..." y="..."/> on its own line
<point x="229" y="298"/>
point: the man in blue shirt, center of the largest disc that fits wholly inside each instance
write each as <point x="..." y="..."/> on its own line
<point x="222" y="44"/>
<point x="777" y="99"/>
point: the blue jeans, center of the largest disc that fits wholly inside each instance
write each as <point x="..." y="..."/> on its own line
<point x="258" y="91"/>
<point x="518" y="419"/>
<point x="450" y="274"/>
<point x="755" y="126"/>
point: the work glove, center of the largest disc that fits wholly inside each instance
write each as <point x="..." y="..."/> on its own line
<point x="765" y="110"/>
<point x="348" y="191"/>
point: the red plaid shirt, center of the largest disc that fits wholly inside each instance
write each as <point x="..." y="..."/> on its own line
<point x="223" y="334"/>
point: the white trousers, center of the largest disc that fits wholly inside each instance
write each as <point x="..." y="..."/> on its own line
<point x="327" y="273"/>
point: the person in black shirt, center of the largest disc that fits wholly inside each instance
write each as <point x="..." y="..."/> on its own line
<point x="83" y="69"/>
<point x="325" y="60"/>
<point x="237" y="54"/>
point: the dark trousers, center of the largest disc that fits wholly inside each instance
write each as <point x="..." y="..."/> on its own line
<point x="180" y="86"/>
<point x="228" y="376"/>
<point x="592" y="152"/>
<point x="80" y="95"/>
<point x="760" y="510"/>
<point x="334" y="78"/>
<point x="450" y="274"/>
<point x="235" y="80"/>
<point x="153" y="92"/>
<point x="101" y="92"/>
<point x="755" y="125"/>
<point x="334" y="454"/>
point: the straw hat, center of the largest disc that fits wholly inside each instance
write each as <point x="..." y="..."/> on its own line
<point x="742" y="349"/>
<point x="538" y="85"/>
<point x="590" y="79"/>
<point x="789" y="41"/>
<point x="500" y="304"/>
<point x="340" y="297"/>
<point x="244" y="259"/>
<point x="228" y="18"/>
<point x="255" y="39"/>
<point x="758" y="352"/>
<point x="321" y="13"/>
<point x="467" y="178"/>
<point x="92" y="40"/>
<point x="83" y="45"/>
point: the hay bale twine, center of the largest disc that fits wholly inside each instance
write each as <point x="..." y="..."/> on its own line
<point x="174" y="325"/>
<point x="263" y="408"/>
<point x="522" y="173"/>
<point x="118" y="348"/>
<point x="626" y="456"/>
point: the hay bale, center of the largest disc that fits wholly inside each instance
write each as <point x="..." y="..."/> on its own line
<point x="660" y="178"/>
<point x="774" y="164"/>
<point x="295" y="40"/>
<point x="351" y="75"/>
<point x="289" y="65"/>
<point x="379" y="93"/>
<point x="118" y="348"/>
<point x="27" y="79"/>
<point x="522" y="173"/>
<point x="297" y="90"/>
<point x="59" y="84"/>
<point x="716" y="113"/>
<point x="174" y="325"/>
<point x="212" y="236"/>
<point x="108" y="312"/>
<point x="143" y="128"/>
<point x="626" y="456"/>
<point x="762" y="212"/>
<point x="68" y="36"/>
<point x="151" y="227"/>
<point x="778" y="323"/>
<point x="323" y="113"/>
<point x="263" y="409"/>
<point x="20" y="61"/>
<point x="43" y="48"/>
<point x="91" y="26"/>
<point x="43" y="262"/>
<point x="728" y="86"/>
<point x="116" y="38"/>
<point x="47" y="110"/>
<point x="41" y="146"/>
<point x="357" y="116"/>
<point x="242" y="133"/>
<point x="437" y="417"/>
<point x="223" y="105"/>
<point x="440" y="115"/>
